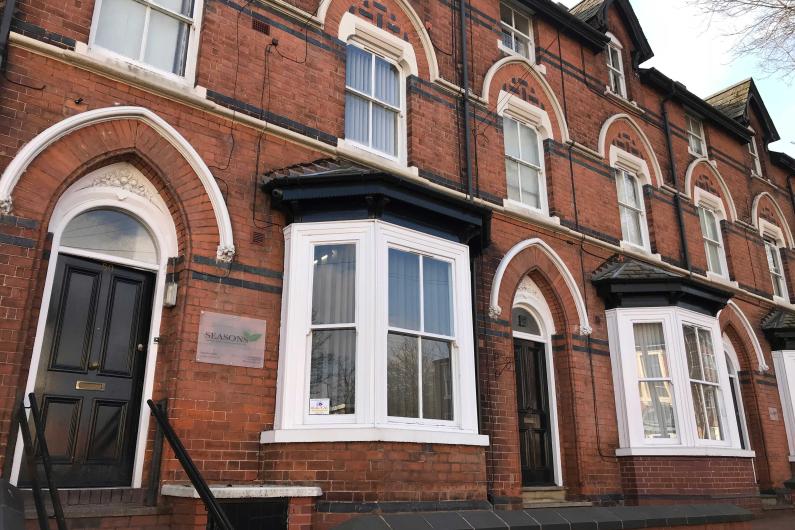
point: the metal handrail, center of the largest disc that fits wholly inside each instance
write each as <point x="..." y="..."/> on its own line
<point x="214" y="510"/>
<point x="30" y="457"/>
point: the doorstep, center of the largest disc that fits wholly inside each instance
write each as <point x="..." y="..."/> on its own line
<point x="241" y="491"/>
<point x="79" y="503"/>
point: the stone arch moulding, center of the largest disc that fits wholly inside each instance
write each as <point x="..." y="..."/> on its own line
<point x="416" y="24"/>
<point x="28" y="153"/>
<point x="533" y="69"/>
<point x="749" y="330"/>
<point x="784" y="225"/>
<point x="724" y="189"/>
<point x="494" y="307"/>
<point x="602" y="145"/>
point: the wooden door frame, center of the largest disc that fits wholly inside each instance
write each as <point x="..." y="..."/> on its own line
<point x="544" y="319"/>
<point x="153" y="213"/>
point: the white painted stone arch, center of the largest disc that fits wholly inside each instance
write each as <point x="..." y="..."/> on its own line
<point x="726" y="194"/>
<point x="749" y="330"/>
<point x="416" y="23"/>
<point x="533" y="70"/>
<point x="602" y="147"/>
<point x="29" y="152"/>
<point x="494" y="302"/>
<point x="784" y="225"/>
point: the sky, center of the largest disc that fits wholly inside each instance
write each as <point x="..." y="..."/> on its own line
<point x="692" y="49"/>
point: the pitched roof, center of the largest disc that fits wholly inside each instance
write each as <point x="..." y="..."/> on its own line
<point x="587" y="9"/>
<point x="328" y="167"/>
<point x="617" y="268"/>
<point x="778" y="319"/>
<point x="732" y="101"/>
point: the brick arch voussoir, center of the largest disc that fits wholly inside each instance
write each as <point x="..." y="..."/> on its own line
<point x="730" y="325"/>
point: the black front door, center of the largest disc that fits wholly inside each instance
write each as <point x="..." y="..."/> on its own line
<point x="91" y="372"/>
<point x="535" y="442"/>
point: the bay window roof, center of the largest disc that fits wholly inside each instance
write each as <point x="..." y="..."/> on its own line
<point x="327" y="190"/>
<point x="627" y="282"/>
<point x="779" y="326"/>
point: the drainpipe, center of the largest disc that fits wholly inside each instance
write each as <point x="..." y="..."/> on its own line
<point x="465" y="86"/>
<point x="678" y="197"/>
<point x="5" y="30"/>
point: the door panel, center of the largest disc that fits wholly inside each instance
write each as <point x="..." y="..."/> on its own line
<point x="535" y="442"/>
<point x="91" y="371"/>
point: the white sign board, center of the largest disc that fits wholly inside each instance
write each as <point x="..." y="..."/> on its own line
<point x="319" y="406"/>
<point x="231" y="340"/>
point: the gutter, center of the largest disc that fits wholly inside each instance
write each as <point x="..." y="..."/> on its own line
<point x="5" y="30"/>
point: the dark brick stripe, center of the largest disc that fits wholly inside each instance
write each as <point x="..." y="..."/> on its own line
<point x="258" y="271"/>
<point x="236" y="282"/>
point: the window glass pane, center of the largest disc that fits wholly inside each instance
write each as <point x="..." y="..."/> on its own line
<point x="524" y="322"/>
<point x="166" y="43"/>
<point x="402" y="376"/>
<point x="334" y="284"/>
<point x="707" y="412"/>
<point x="386" y="82"/>
<point x="628" y="190"/>
<point x="437" y="296"/>
<point x="333" y="369"/>
<point x="507" y="38"/>
<point x="529" y="139"/>
<point x="404" y="289"/>
<point x="630" y="226"/>
<point x="615" y="58"/>
<point x="357" y="119"/>
<point x="657" y="410"/>
<point x="521" y="45"/>
<point x="121" y="27"/>
<point x="713" y="258"/>
<point x="384" y="130"/>
<point x="437" y="380"/>
<point x="357" y="69"/>
<point x="708" y="361"/>
<point x="512" y="174"/>
<point x="529" y="178"/>
<point x="184" y="7"/>
<point x="506" y="14"/>
<point x="511" y="132"/>
<point x="521" y="22"/>
<point x="691" y="349"/>
<point x="650" y="350"/>
<point x="110" y="232"/>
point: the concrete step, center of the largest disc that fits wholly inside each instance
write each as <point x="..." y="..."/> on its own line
<point x="544" y="494"/>
<point x="561" y="504"/>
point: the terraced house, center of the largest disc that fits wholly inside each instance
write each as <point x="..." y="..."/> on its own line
<point x="386" y="264"/>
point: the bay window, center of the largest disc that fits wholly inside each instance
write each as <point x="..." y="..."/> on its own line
<point x="156" y="33"/>
<point x="673" y="391"/>
<point x="372" y="101"/>
<point x="376" y="338"/>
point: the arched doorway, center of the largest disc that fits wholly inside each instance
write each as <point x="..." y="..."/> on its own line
<point x="532" y="328"/>
<point x="94" y="354"/>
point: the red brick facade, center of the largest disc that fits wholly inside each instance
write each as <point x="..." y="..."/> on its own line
<point x="262" y="106"/>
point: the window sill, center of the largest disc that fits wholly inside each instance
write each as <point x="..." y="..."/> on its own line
<point x="686" y="451"/>
<point x="529" y="212"/>
<point x="356" y="433"/>
<point x="113" y="63"/>
<point x="720" y="278"/>
<point x="359" y="153"/>
<point x="696" y="154"/>
<point x="624" y="102"/>
<point x="241" y="492"/>
<point x="642" y="252"/>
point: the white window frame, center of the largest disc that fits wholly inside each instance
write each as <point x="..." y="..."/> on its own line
<point x="542" y="207"/>
<point x="354" y="30"/>
<point x="773" y="237"/>
<point x="531" y="46"/>
<point x="784" y="364"/>
<point x="756" y="169"/>
<point x="711" y="202"/>
<point x="632" y="440"/>
<point x="537" y="118"/>
<point x="621" y="160"/>
<point x="695" y="134"/>
<point x="621" y="89"/>
<point x="191" y="59"/>
<point x="734" y="382"/>
<point x="370" y="421"/>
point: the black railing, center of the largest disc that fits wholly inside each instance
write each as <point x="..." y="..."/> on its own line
<point x="31" y="454"/>
<point x="216" y="517"/>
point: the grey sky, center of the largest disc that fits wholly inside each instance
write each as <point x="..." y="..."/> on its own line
<point x="691" y="48"/>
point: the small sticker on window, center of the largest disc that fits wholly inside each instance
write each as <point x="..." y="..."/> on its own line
<point x="319" y="406"/>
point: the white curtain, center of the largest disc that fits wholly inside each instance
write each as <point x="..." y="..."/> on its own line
<point x="404" y="289"/>
<point x="121" y="27"/>
<point x="437" y="296"/>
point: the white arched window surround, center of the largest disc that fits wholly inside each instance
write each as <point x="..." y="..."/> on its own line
<point x="623" y="161"/>
<point x="515" y="108"/>
<point x="733" y="368"/>
<point x="137" y="197"/>
<point x="117" y="59"/>
<point x="359" y="32"/>
<point x="530" y="298"/>
<point x="712" y="203"/>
